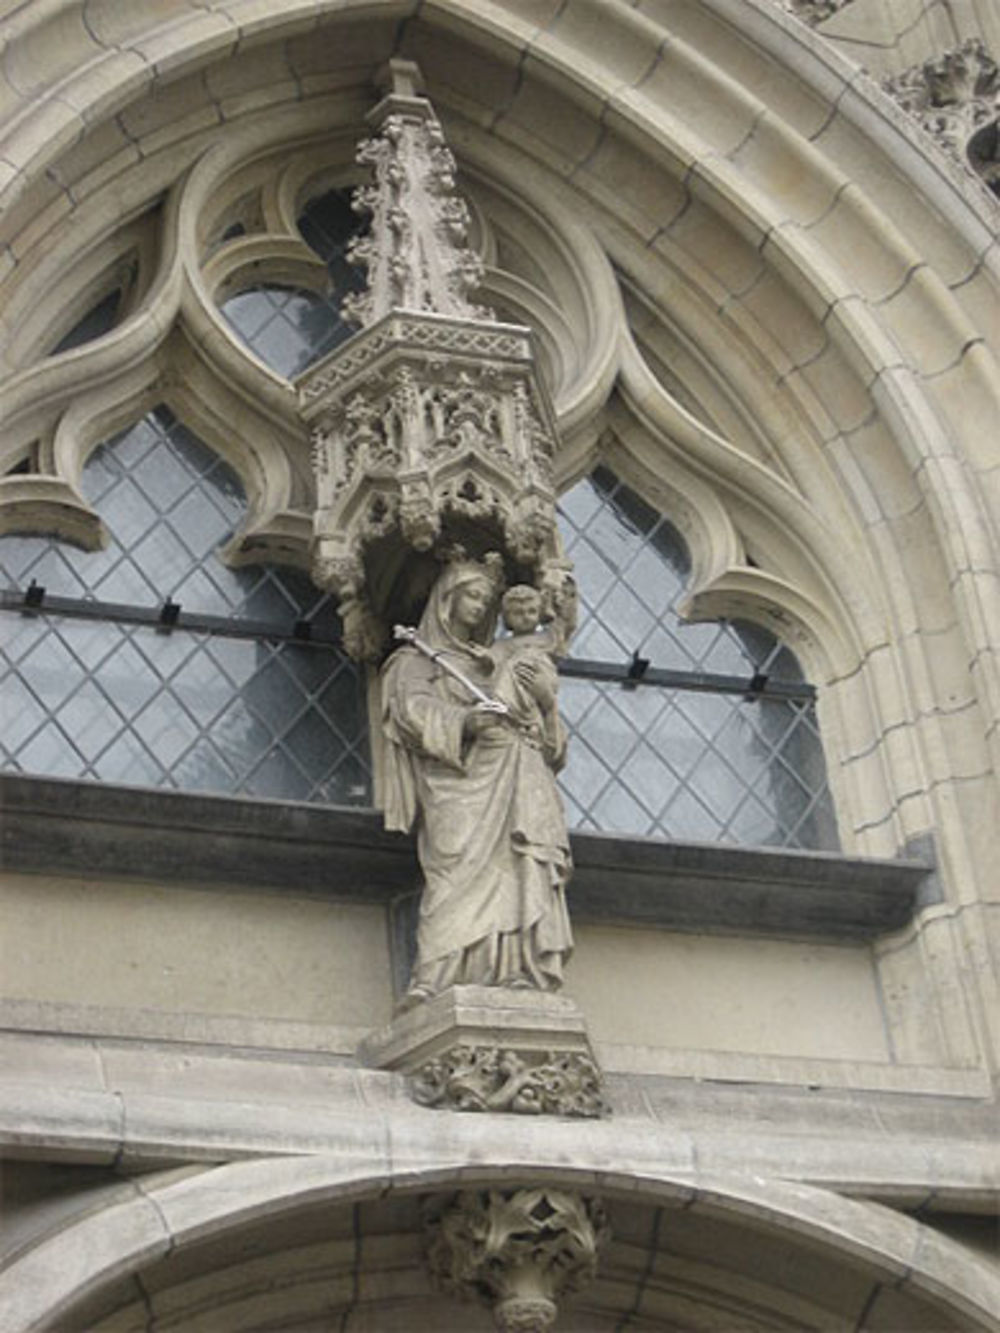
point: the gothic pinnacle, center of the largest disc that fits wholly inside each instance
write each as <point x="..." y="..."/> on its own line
<point x="415" y="251"/>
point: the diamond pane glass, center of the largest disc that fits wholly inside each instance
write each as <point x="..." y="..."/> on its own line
<point x="290" y="328"/>
<point x="660" y="762"/>
<point x="178" y="718"/>
<point x="118" y="702"/>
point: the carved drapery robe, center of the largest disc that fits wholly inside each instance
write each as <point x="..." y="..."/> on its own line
<point x="492" y="836"/>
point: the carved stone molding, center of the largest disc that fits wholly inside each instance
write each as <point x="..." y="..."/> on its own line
<point x="956" y="99"/>
<point x="490" y="1078"/>
<point x="520" y="1251"/>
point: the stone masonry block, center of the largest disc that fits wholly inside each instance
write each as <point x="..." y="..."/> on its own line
<point x="714" y="246"/>
<point x="618" y="175"/>
<point x="926" y="323"/>
<point x="547" y="118"/>
<point x="866" y="246"/>
<point x="684" y="85"/>
<point x="628" y="43"/>
<point x="781" y="164"/>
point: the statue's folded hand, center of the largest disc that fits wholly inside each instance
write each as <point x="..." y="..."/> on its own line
<point x="478" y="724"/>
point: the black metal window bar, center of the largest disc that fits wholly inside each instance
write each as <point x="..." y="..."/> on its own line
<point x="640" y="671"/>
<point x="169" y="615"/>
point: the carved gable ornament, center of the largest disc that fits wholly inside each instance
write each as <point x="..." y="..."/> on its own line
<point x="431" y="425"/>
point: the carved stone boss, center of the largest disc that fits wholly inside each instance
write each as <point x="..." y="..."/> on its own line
<point x="431" y="422"/>
<point x="520" y="1251"/>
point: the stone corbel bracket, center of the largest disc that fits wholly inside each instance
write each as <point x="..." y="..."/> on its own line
<point x="486" y="1048"/>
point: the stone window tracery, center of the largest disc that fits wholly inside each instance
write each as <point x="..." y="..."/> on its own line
<point x="261" y="717"/>
<point x="290" y="327"/>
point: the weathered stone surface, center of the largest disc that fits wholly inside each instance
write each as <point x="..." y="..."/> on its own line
<point x="473" y="741"/>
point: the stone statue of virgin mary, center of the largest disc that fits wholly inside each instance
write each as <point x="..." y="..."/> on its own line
<point x="481" y="789"/>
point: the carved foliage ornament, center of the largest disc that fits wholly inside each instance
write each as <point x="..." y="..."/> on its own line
<point x="956" y="99"/>
<point x="814" y="12"/>
<point x="520" y="1251"/>
<point x="486" y="1078"/>
<point x="410" y="199"/>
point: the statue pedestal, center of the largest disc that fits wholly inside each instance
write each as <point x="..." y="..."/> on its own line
<point x="487" y="1048"/>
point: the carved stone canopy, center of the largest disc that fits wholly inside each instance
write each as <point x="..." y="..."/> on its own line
<point x="431" y="425"/>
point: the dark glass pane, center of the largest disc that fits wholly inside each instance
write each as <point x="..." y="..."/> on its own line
<point x="286" y="327"/>
<point x="290" y="328"/>
<point x="100" y="319"/>
<point x="328" y="223"/>
<point x="694" y="766"/>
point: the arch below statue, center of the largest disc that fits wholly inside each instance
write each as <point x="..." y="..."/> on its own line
<point x="324" y="1237"/>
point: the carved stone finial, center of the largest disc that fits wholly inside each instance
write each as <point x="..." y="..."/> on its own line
<point x="415" y="250"/>
<point x="520" y="1251"/>
<point x="956" y="99"/>
<point x="401" y="78"/>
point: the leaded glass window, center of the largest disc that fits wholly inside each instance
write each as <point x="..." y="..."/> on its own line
<point x="290" y="328"/>
<point x="715" y="738"/>
<point x="152" y="662"/>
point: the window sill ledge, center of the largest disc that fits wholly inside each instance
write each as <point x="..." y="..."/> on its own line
<point x="59" y="826"/>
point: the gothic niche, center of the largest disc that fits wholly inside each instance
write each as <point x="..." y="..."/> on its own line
<point x="518" y="1251"/>
<point x="432" y="449"/>
<point x="430" y="425"/>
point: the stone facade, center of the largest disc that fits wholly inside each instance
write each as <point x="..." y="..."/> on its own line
<point x="760" y="289"/>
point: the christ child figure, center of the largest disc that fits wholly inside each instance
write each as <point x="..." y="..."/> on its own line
<point x="523" y="671"/>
